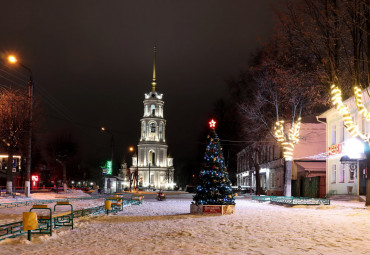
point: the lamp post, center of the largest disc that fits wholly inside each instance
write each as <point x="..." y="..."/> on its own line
<point x="133" y="174"/>
<point x="103" y="129"/>
<point x="149" y="175"/>
<point x="131" y="149"/>
<point x="27" y="185"/>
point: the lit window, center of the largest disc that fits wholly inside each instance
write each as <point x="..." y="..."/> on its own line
<point x="341" y="173"/>
<point x="160" y="131"/>
<point x="341" y="131"/>
<point x="152" y="127"/>
<point x="272" y="179"/>
<point x="352" y="172"/>
<point x="333" y="134"/>
<point x="152" y="109"/>
<point x="333" y="174"/>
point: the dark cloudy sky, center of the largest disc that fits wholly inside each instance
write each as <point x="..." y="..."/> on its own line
<point x="92" y="61"/>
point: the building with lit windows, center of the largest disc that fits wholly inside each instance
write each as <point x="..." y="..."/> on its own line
<point x="155" y="166"/>
<point x="16" y="170"/>
<point x="308" y="168"/>
<point x="346" y="162"/>
<point x="267" y="156"/>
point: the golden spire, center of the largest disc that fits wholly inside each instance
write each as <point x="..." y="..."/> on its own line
<point x="154" y="83"/>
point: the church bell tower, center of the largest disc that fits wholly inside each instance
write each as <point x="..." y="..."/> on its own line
<point x="155" y="166"/>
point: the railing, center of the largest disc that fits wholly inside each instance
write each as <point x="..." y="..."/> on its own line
<point x="293" y="200"/>
<point x="15" y="229"/>
<point x="15" y="191"/>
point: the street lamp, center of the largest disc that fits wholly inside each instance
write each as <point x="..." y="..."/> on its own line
<point x="13" y="60"/>
<point x="103" y="129"/>
<point x="134" y="172"/>
<point x="149" y="175"/>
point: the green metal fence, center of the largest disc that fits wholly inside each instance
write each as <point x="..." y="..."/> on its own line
<point x="15" y="229"/>
<point x="293" y="200"/>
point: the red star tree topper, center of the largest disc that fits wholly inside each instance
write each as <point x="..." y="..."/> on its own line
<point x="212" y="124"/>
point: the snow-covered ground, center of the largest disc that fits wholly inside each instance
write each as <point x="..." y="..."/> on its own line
<point x="166" y="227"/>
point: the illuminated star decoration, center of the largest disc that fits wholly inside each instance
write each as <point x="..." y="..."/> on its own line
<point x="212" y="124"/>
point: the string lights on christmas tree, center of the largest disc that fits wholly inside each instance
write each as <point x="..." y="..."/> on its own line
<point x="214" y="186"/>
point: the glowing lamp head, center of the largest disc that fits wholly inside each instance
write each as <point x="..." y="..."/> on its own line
<point x="354" y="148"/>
<point x="212" y="124"/>
<point x="131" y="149"/>
<point x="12" y="59"/>
<point x="103" y="129"/>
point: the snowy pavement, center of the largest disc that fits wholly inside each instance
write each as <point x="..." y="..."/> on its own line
<point x="166" y="227"/>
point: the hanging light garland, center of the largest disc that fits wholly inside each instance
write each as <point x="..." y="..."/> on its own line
<point x="360" y="106"/>
<point x="293" y="137"/>
<point x="294" y="131"/>
<point x="279" y="131"/>
<point x="352" y="128"/>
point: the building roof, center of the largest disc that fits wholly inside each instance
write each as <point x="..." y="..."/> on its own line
<point x="313" y="166"/>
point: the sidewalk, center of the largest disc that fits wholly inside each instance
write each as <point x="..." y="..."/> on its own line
<point x="348" y="198"/>
<point x="349" y="201"/>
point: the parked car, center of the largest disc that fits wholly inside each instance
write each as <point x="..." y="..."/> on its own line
<point x="58" y="188"/>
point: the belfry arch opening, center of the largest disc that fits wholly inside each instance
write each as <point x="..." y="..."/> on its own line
<point x="152" y="110"/>
<point x="152" y="158"/>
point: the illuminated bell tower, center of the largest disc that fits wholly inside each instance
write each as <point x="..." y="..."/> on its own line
<point x="155" y="167"/>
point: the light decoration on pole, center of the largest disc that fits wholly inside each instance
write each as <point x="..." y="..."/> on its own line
<point x="352" y="128"/>
<point x="289" y="141"/>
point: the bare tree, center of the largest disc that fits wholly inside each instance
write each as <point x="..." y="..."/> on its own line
<point x="133" y="176"/>
<point x="336" y="33"/>
<point x="13" y="125"/>
<point x="62" y="147"/>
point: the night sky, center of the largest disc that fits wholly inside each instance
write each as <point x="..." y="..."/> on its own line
<point x="92" y="62"/>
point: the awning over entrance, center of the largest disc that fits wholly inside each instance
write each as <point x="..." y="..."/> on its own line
<point x="313" y="168"/>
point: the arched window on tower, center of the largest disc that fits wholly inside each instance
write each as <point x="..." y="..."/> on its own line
<point x="160" y="112"/>
<point x="152" y="110"/>
<point x="143" y="126"/>
<point x="152" y="158"/>
<point x="146" y="111"/>
<point x="161" y="131"/>
<point x="152" y="127"/>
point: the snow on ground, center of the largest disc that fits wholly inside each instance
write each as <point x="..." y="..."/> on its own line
<point x="8" y="215"/>
<point x="166" y="227"/>
<point x="44" y="196"/>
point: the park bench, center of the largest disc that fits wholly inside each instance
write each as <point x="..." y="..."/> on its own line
<point x="117" y="203"/>
<point x="52" y="220"/>
<point x="137" y="197"/>
<point x="128" y="197"/>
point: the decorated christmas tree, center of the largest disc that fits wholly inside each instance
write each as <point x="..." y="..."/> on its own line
<point x="214" y="186"/>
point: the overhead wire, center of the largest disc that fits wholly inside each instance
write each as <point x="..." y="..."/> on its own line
<point x="19" y="79"/>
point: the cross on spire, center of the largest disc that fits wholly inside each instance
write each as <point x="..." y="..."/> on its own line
<point x="154" y="82"/>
